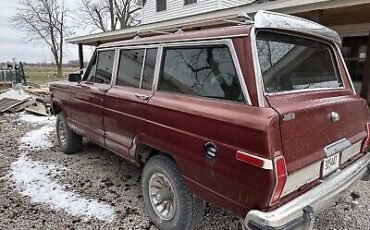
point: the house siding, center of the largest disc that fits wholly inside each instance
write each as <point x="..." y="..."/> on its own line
<point x="176" y="9"/>
<point x="233" y="3"/>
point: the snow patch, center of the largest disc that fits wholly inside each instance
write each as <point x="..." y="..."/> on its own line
<point x="37" y="139"/>
<point x="34" y="179"/>
<point x="14" y="94"/>
<point x="39" y="120"/>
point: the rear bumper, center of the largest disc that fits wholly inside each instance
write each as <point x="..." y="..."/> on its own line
<point x="299" y="213"/>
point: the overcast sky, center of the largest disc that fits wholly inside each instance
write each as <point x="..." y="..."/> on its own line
<point x="13" y="44"/>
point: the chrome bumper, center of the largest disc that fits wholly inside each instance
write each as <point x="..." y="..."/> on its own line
<point x="299" y="213"/>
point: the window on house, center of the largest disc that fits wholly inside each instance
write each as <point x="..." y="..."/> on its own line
<point x="201" y="71"/>
<point x="188" y="2"/>
<point x="150" y="60"/>
<point x="161" y="5"/>
<point x="104" y="68"/>
<point x="130" y="67"/>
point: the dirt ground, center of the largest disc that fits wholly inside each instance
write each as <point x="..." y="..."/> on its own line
<point x="42" y="188"/>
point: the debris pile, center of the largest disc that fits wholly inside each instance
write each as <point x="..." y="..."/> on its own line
<point x="29" y="98"/>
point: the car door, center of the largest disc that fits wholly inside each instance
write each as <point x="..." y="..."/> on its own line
<point x="125" y="103"/>
<point x="88" y="95"/>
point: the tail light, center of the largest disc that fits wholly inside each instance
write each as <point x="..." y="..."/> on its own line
<point x="366" y="143"/>
<point x="281" y="177"/>
<point x="254" y="160"/>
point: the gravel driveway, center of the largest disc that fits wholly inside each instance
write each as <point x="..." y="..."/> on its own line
<point x="41" y="188"/>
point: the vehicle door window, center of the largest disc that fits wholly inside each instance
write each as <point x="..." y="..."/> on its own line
<point x="130" y="67"/>
<point x="90" y="72"/>
<point x="150" y="60"/>
<point x="201" y="71"/>
<point x="104" y="67"/>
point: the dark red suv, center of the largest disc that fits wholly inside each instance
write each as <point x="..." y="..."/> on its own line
<point x="260" y="119"/>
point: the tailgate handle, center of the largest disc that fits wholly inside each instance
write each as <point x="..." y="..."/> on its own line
<point x="142" y="97"/>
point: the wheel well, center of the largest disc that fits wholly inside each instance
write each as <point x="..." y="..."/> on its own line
<point x="145" y="152"/>
<point x="56" y="109"/>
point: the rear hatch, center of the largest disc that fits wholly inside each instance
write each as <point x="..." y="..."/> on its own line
<point x="319" y="115"/>
<point x="310" y="123"/>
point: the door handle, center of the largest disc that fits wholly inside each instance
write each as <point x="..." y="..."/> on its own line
<point x="142" y="97"/>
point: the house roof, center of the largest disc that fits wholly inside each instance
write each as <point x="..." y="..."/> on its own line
<point x="211" y="19"/>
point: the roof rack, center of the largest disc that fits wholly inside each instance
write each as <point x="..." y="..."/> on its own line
<point x="159" y="28"/>
<point x="244" y="19"/>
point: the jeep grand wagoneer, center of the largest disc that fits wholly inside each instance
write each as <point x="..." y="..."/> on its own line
<point x="260" y="119"/>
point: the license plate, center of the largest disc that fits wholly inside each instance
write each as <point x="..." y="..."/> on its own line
<point x="330" y="164"/>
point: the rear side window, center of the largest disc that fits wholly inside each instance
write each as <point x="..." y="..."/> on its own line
<point x="130" y="67"/>
<point x="104" y="68"/>
<point x="293" y="63"/>
<point x="201" y="71"/>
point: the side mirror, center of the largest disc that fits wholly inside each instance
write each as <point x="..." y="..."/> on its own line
<point x="74" y="77"/>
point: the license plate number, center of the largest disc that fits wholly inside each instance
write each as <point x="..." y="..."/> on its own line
<point x="330" y="165"/>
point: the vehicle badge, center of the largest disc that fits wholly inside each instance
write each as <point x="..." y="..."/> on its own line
<point x="334" y="116"/>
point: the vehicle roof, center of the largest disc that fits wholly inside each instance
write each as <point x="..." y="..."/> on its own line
<point x="194" y="35"/>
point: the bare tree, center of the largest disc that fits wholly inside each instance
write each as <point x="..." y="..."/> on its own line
<point x="108" y="15"/>
<point x="44" y="20"/>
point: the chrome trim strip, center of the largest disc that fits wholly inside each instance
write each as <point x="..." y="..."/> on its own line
<point x="115" y="68"/>
<point x="142" y="69"/>
<point x="257" y="69"/>
<point x="157" y="68"/>
<point x="155" y="43"/>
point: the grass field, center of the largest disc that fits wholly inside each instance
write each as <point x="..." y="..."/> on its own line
<point x="44" y="75"/>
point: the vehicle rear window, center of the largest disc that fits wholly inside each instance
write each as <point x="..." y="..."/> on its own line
<point x="201" y="71"/>
<point x="293" y="63"/>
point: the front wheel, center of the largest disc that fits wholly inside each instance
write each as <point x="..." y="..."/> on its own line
<point x="170" y="205"/>
<point x="69" y="141"/>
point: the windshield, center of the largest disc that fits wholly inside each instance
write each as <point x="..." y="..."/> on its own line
<point x="292" y="63"/>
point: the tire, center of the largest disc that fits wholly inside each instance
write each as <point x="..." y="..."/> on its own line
<point x="69" y="141"/>
<point x="188" y="209"/>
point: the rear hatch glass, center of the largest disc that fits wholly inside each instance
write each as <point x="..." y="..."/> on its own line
<point x="292" y="63"/>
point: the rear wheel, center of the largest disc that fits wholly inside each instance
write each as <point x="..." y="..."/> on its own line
<point x="170" y="205"/>
<point x="68" y="140"/>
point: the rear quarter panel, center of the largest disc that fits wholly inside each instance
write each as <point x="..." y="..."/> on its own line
<point x="182" y="125"/>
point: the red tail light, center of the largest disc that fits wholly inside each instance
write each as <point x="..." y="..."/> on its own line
<point x="366" y="143"/>
<point x="281" y="177"/>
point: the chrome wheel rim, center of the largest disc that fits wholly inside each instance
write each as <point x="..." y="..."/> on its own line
<point x="162" y="196"/>
<point x="62" y="133"/>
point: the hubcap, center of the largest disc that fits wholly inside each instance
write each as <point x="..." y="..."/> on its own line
<point x="62" y="133"/>
<point x="162" y="196"/>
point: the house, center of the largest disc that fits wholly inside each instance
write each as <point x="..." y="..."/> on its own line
<point x="351" y="19"/>
<point x="161" y="10"/>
